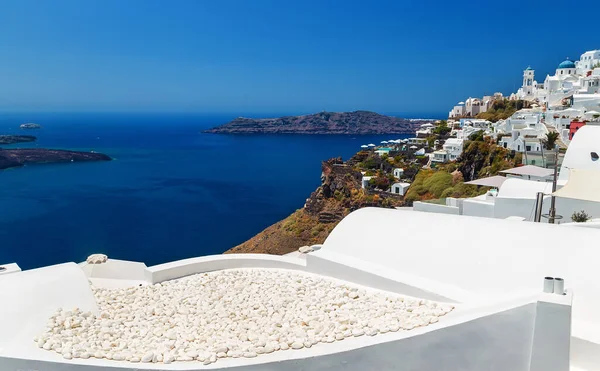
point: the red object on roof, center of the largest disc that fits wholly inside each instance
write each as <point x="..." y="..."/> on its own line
<point x="573" y="127"/>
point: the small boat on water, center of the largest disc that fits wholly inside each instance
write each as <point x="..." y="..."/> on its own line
<point x="30" y="126"/>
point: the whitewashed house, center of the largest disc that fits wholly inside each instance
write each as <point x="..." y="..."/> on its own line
<point x="458" y="111"/>
<point x="398" y="173"/>
<point x="523" y="131"/>
<point x="453" y="147"/>
<point x="424" y="131"/>
<point x="399" y="188"/>
<point x="440" y="156"/>
<point x="365" y="181"/>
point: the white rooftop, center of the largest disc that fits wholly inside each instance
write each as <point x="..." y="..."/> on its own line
<point x="530" y="170"/>
<point x="493" y="181"/>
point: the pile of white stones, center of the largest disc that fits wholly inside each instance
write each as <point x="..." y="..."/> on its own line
<point x="229" y="313"/>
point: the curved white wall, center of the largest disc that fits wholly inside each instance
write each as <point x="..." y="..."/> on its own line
<point x="503" y="342"/>
<point x="578" y="156"/>
<point x="484" y="256"/>
<point x="186" y="267"/>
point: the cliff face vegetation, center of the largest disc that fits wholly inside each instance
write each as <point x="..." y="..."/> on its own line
<point x="356" y="123"/>
<point x="340" y="193"/>
<point x="481" y="158"/>
<point x="503" y="108"/>
<point x="434" y="184"/>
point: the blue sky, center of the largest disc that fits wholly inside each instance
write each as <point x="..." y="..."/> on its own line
<point x="277" y="55"/>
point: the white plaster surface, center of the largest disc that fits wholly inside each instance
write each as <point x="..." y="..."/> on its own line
<point x="578" y="156"/>
<point x="551" y="341"/>
<point x="10" y="268"/>
<point x="429" y="207"/>
<point x="116" y="270"/>
<point x="485" y="257"/>
<point x="467" y="343"/>
<point x="30" y="297"/>
<point x="502" y="326"/>
<point x="186" y="267"/>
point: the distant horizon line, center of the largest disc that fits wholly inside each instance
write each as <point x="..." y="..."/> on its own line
<point x="235" y="114"/>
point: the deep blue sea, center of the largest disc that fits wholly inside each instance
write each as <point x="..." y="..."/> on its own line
<point x="170" y="193"/>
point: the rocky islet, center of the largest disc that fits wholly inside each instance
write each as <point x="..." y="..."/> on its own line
<point x="338" y="123"/>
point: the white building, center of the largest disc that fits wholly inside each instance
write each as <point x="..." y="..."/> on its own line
<point x="440" y="156"/>
<point x="424" y="131"/>
<point x="399" y="188"/>
<point x="417" y="141"/>
<point x="588" y="61"/>
<point x="454" y="148"/>
<point x="570" y="77"/>
<point x="365" y="181"/>
<point x="420" y="152"/>
<point x="458" y="111"/>
<point x="529" y="88"/>
<point x="476" y="123"/>
<point x="523" y="131"/>
<point x="398" y="173"/>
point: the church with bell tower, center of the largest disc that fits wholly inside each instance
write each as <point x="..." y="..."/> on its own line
<point x="528" y="82"/>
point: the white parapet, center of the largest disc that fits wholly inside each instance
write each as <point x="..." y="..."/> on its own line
<point x="552" y="333"/>
<point x="9" y="268"/>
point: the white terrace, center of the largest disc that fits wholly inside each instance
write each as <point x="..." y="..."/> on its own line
<point x="381" y="306"/>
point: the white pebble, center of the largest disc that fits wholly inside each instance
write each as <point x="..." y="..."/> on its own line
<point x="148" y="357"/>
<point x="229" y="314"/>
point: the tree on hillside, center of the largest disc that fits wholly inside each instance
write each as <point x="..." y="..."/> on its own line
<point x="550" y="140"/>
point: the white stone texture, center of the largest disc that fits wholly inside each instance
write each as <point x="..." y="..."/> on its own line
<point x="305" y="249"/>
<point x="229" y="313"/>
<point x="97" y="259"/>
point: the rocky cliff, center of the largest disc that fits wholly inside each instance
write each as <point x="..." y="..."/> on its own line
<point x="354" y="123"/>
<point x="340" y="193"/>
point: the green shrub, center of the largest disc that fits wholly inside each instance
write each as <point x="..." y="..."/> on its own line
<point x="437" y="183"/>
<point x="338" y="195"/>
<point x="476" y="136"/>
<point x="381" y="181"/>
<point x="448" y="192"/>
<point x="580" y="217"/>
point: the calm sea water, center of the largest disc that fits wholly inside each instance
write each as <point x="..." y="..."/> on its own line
<point x="171" y="192"/>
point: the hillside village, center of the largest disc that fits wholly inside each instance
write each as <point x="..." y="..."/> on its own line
<point x="464" y="162"/>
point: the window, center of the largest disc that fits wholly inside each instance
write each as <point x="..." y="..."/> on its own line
<point x="397" y="189"/>
<point x="518" y="148"/>
<point x="528" y="148"/>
